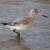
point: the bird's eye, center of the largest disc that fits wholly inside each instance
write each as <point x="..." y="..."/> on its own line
<point x="36" y="11"/>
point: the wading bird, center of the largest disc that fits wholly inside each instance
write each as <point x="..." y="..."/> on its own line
<point x="23" y="24"/>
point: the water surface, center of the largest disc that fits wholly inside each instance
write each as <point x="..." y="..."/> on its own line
<point x="10" y="10"/>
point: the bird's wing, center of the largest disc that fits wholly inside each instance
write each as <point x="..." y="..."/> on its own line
<point x="24" y="20"/>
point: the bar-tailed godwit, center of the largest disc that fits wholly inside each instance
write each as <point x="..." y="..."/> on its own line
<point x="23" y="24"/>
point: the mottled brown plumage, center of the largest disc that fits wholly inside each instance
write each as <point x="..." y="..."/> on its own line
<point x="25" y="22"/>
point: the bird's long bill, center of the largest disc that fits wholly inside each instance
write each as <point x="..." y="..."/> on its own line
<point x="45" y="16"/>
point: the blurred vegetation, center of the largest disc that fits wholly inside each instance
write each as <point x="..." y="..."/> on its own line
<point x="42" y="1"/>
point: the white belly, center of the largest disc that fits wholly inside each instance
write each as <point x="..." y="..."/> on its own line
<point x="21" y="27"/>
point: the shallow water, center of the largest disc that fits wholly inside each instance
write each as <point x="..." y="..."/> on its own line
<point x="10" y="10"/>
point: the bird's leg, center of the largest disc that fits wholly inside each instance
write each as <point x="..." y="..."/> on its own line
<point x="18" y="36"/>
<point x="17" y="32"/>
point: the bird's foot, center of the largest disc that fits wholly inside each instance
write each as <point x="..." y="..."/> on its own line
<point x="14" y="30"/>
<point x="18" y="35"/>
<point x="17" y="32"/>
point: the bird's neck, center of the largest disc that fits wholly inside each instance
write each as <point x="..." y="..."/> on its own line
<point x="31" y="15"/>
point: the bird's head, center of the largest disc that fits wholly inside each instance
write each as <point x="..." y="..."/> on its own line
<point x="36" y="12"/>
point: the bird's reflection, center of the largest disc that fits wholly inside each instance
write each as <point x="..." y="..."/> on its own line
<point x="20" y="43"/>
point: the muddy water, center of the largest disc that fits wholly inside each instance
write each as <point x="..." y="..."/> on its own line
<point x="29" y="40"/>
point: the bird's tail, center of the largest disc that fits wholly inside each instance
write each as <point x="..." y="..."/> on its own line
<point x="3" y="23"/>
